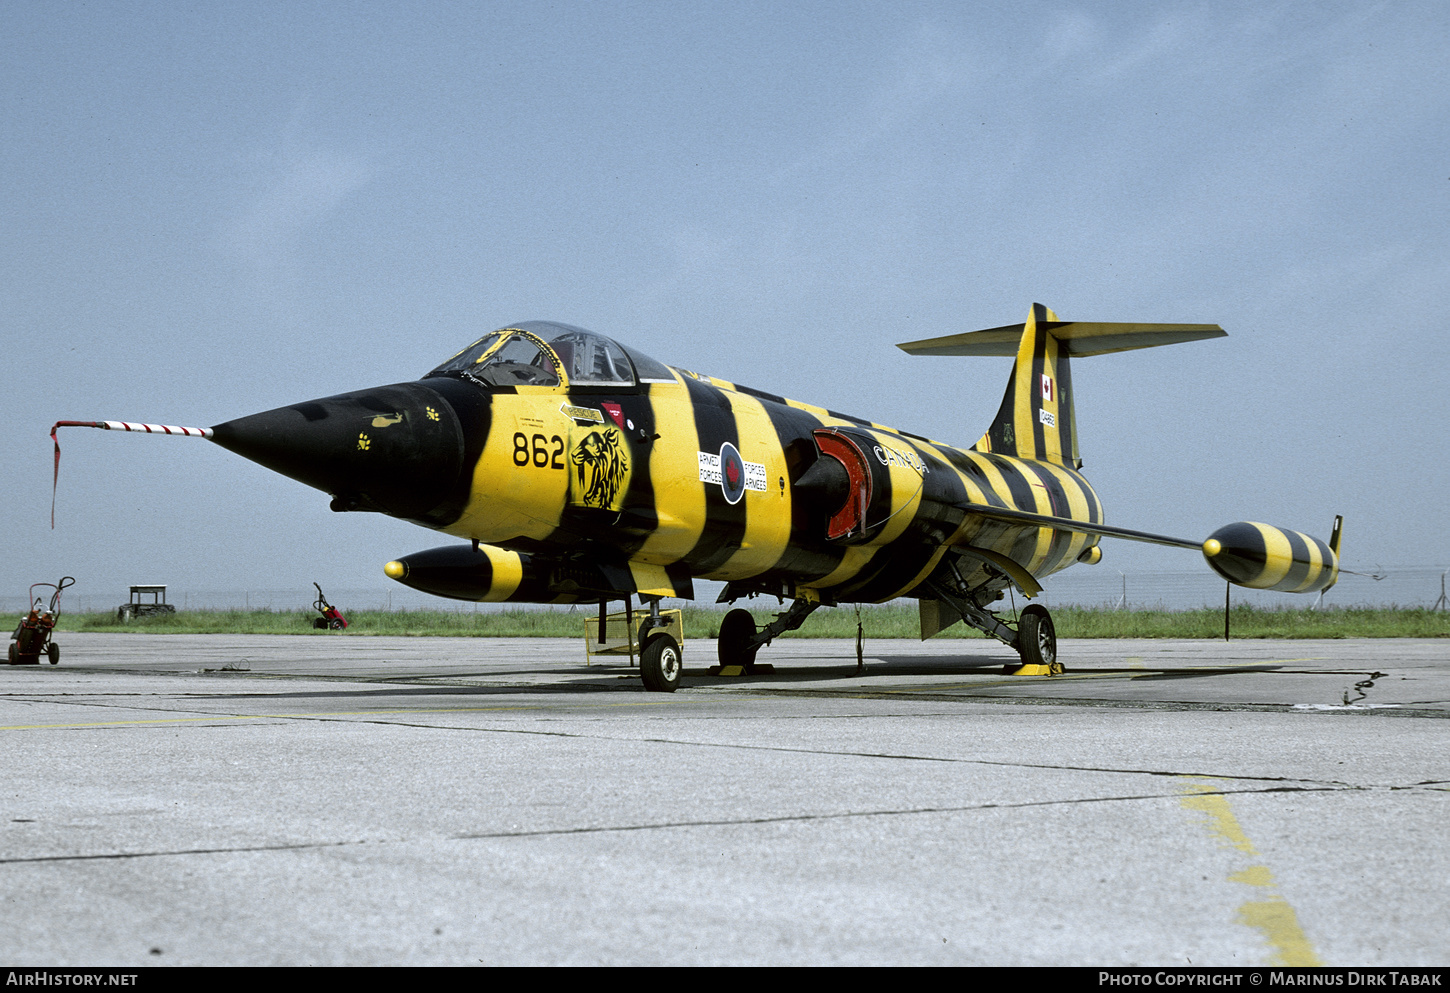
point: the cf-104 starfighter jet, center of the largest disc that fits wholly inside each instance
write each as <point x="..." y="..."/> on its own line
<point x="580" y="470"/>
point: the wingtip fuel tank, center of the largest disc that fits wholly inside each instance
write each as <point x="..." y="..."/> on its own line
<point x="1263" y="557"/>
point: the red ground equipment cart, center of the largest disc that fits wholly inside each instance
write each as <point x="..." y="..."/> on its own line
<point x="331" y="618"/>
<point x="32" y="638"/>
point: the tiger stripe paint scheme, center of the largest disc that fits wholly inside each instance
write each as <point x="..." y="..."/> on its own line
<point x="770" y="540"/>
<point x="1263" y="557"/>
<point x="962" y="518"/>
<point x="581" y="471"/>
<point x="1013" y="509"/>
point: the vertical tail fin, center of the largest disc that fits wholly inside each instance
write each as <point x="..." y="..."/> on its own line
<point x="1036" y="419"/>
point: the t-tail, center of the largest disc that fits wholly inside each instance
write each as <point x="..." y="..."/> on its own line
<point x="1036" y="420"/>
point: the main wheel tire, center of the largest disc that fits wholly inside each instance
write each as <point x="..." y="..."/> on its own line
<point x="733" y="645"/>
<point x="336" y="624"/>
<point x="1036" y="637"/>
<point x="13" y="654"/>
<point x="661" y="664"/>
<point x="52" y="652"/>
<point x="319" y="623"/>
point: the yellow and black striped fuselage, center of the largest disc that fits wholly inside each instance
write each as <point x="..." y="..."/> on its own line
<point x="700" y="478"/>
<point x="581" y="470"/>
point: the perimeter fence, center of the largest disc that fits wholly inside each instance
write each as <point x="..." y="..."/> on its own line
<point x="1420" y="587"/>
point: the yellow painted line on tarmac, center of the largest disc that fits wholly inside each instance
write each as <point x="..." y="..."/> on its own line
<point x="321" y="714"/>
<point x="1271" y="916"/>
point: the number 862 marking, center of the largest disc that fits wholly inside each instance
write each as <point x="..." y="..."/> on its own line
<point x="538" y="454"/>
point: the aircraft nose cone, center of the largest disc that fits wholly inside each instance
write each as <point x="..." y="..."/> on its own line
<point x="393" y="449"/>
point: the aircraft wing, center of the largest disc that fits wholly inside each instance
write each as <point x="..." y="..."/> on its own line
<point x="1068" y="524"/>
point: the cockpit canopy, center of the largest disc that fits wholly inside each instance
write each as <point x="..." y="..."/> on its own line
<point x="534" y="352"/>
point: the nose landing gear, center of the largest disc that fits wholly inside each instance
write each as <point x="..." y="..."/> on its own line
<point x="661" y="660"/>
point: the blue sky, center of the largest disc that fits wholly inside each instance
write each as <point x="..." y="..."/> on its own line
<point x="216" y="209"/>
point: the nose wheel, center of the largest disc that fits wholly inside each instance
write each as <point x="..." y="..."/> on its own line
<point x="661" y="665"/>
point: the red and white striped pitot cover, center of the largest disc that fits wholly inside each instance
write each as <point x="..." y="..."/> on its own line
<point x="112" y="426"/>
<point x="153" y="428"/>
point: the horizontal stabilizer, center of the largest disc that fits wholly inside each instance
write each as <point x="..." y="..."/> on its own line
<point x="1076" y="338"/>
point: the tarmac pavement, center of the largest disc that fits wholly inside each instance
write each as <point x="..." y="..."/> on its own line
<point x="350" y="800"/>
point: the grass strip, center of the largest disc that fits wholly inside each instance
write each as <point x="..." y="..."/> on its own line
<point x="896" y="620"/>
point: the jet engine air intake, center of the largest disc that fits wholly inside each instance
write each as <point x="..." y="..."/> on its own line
<point x="841" y="480"/>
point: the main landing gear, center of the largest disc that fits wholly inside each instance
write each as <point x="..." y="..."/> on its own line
<point x="1037" y="642"/>
<point x="740" y="639"/>
<point x="1035" y="639"/>
<point x="737" y="645"/>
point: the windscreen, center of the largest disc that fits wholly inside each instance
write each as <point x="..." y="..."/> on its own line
<point x="502" y="358"/>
